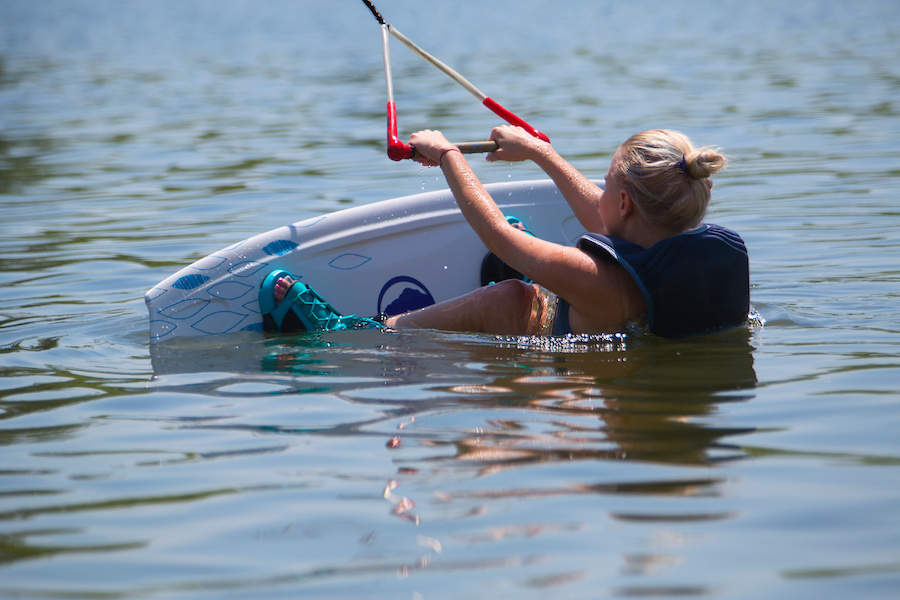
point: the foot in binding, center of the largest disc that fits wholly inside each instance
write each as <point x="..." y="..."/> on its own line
<point x="289" y="305"/>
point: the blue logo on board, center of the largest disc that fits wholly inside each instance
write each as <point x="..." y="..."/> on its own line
<point x="403" y="294"/>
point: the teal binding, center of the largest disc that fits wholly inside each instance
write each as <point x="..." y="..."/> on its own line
<point x="516" y="221"/>
<point x="302" y="309"/>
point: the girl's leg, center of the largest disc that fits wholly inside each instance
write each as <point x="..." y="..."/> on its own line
<point x="505" y="308"/>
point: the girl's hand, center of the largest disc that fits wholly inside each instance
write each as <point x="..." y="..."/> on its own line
<point x="429" y="146"/>
<point x="516" y="144"/>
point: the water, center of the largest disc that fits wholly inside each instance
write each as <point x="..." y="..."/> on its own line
<point x="138" y="137"/>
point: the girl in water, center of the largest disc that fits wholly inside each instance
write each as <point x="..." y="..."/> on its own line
<point x="648" y="259"/>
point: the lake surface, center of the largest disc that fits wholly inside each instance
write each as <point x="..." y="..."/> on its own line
<point x="136" y="138"/>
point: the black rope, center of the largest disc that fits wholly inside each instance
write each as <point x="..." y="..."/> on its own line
<point x="375" y="12"/>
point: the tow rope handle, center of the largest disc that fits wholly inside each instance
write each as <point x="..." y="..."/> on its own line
<point x="396" y="149"/>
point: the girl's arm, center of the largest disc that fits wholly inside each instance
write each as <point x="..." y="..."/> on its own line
<point x="595" y="289"/>
<point x="476" y="204"/>
<point x="581" y="193"/>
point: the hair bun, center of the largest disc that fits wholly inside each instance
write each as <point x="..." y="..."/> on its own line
<point x="704" y="162"/>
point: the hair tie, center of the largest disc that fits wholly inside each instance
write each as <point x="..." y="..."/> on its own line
<point x="683" y="167"/>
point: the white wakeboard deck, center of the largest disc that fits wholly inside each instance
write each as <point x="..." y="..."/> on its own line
<point x="384" y="257"/>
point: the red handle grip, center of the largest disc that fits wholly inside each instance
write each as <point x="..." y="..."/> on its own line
<point x="513" y="119"/>
<point x="396" y="150"/>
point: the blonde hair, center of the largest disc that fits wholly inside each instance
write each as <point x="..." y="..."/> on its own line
<point x="667" y="177"/>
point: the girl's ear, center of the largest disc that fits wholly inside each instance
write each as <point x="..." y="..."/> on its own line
<point x="626" y="204"/>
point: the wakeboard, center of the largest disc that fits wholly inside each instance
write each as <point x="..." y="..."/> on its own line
<point x="387" y="257"/>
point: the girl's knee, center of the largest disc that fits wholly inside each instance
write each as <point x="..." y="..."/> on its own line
<point x="514" y="296"/>
<point x="512" y="305"/>
<point x="513" y="291"/>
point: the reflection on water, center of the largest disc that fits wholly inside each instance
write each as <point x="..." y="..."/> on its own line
<point x="636" y="399"/>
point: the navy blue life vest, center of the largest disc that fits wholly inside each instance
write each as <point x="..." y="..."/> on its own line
<point x="695" y="282"/>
